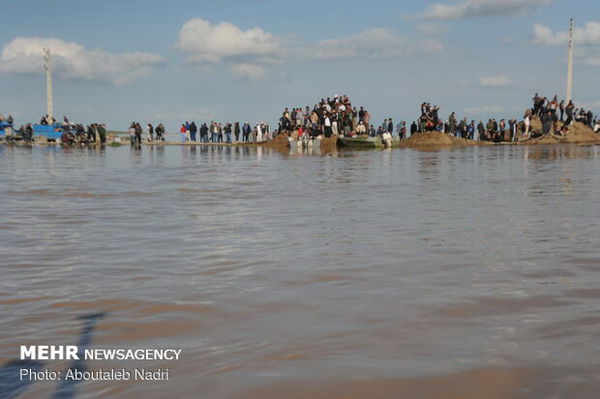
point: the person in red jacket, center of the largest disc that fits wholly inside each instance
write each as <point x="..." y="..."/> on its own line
<point x="183" y="131"/>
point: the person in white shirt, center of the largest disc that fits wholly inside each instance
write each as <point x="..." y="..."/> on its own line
<point x="327" y="125"/>
<point x="259" y="135"/>
<point x="527" y="123"/>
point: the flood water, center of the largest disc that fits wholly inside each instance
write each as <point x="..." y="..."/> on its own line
<point x="463" y="273"/>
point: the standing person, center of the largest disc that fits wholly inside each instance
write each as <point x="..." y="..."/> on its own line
<point x="131" y="134"/>
<point x="160" y="132"/>
<point x="150" y="133"/>
<point x="259" y="136"/>
<point x="569" y="110"/>
<point x="334" y="127"/>
<point x="102" y="133"/>
<point x="480" y="131"/>
<point x="546" y="122"/>
<point x="452" y="121"/>
<point x="327" y="124"/>
<point x="536" y="103"/>
<point x="512" y="129"/>
<point x="204" y="133"/>
<point x="193" y="131"/>
<point x="561" y="107"/>
<point x="236" y="131"/>
<point x="471" y="131"/>
<point x="187" y="131"/>
<point x="183" y="132"/>
<point x="220" y="132"/>
<point x="527" y="123"/>
<point x="361" y="115"/>
<point x="214" y="134"/>
<point x="228" y="133"/>
<point x="403" y="130"/>
<point x="92" y="138"/>
<point x="138" y="133"/>
<point x="245" y="132"/>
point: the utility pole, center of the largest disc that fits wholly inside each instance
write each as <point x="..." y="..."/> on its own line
<point x="48" y="68"/>
<point x="570" y="65"/>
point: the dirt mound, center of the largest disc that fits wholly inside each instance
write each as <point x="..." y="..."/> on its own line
<point x="578" y="133"/>
<point x="280" y="141"/>
<point x="581" y="133"/>
<point x="535" y="125"/>
<point x="432" y="139"/>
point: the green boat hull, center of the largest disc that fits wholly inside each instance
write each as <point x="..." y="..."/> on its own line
<point x="370" y="142"/>
<point x="364" y="142"/>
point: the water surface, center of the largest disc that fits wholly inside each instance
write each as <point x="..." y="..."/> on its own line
<point x="455" y="273"/>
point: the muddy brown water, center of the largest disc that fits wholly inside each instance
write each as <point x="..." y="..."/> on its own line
<point x="465" y="273"/>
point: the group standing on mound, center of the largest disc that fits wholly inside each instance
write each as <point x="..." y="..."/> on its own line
<point x="555" y="118"/>
<point x="334" y="116"/>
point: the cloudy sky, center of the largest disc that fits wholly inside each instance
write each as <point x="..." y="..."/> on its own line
<point x="174" y="60"/>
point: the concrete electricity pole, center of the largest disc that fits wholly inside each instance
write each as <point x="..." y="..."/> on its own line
<point x="570" y="65"/>
<point x="48" y="68"/>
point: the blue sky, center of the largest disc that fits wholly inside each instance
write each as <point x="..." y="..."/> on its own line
<point x="169" y="61"/>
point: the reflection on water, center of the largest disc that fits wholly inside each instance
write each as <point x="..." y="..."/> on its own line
<point x="459" y="273"/>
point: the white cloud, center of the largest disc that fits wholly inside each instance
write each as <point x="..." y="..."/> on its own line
<point x="371" y="43"/>
<point x="591" y="61"/>
<point x="494" y="81"/>
<point x="204" y="42"/>
<point x="246" y="52"/>
<point x="250" y="54"/>
<point x="248" y="71"/>
<point x="482" y="8"/>
<point x="586" y="41"/>
<point x="433" y="28"/>
<point x="73" y="61"/>
<point x="589" y="35"/>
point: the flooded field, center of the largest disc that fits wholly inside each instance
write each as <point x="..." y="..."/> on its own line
<point x="465" y="273"/>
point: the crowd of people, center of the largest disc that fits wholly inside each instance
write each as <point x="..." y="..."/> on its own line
<point x="493" y="130"/>
<point x="336" y="116"/>
<point x="151" y="133"/>
<point x="555" y="118"/>
<point x="78" y="134"/>
<point x="330" y="117"/>
<point x="8" y="120"/>
<point x="70" y="132"/>
<point x="226" y="132"/>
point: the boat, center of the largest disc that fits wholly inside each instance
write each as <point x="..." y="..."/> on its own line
<point x="51" y="132"/>
<point x="361" y="142"/>
<point x="4" y="126"/>
<point x="365" y="142"/>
